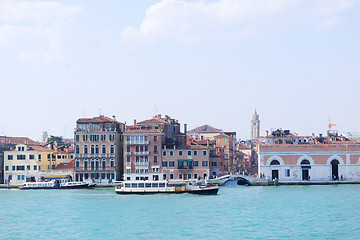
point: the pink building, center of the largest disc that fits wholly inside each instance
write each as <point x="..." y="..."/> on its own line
<point x="316" y="162"/>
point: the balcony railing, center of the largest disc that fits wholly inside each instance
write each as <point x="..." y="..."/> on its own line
<point x="185" y="167"/>
<point x="128" y="153"/>
<point x="141" y="163"/>
<point x="134" y="142"/>
<point x="112" y="155"/>
<point x="103" y="155"/>
<point x="144" y="153"/>
<point x="128" y="163"/>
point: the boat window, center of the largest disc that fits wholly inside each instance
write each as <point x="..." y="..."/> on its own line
<point x="141" y="185"/>
<point x="127" y="185"/>
<point x="134" y="185"/>
<point x="161" y="184"/>
<point x="155" y="185"/>
<point x="148" y="184"/>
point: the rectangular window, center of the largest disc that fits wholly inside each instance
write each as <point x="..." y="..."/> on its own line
<point x="180" y="153"/>
<point x="189" y="176"/>
<point x="196" y="163"/>
<point x="28" y="167"/>
<point x="171" y="163"/>
<point x="164" y="164"/>
<point x="20" y="157"/>
<point x="195" y="153"/>
<point x="77" y="138"/>
<point x="20" y="168"/>
<point x="10" y="157"/>
<point x="95" y="126"/>
<point x="171" y="153"/>
<point x="171" y="176"/>
<point x="189" y="153"/>
<point x="155" y="160"/>
<point x="213" y="164"/>
<point x="164" y="153"/>
<point x="195" y="176"/>
<point x="112" y="137"/>
<point x="128" y="170"/>
<point x="39" y="156"/>
<point x="6" y="168"/>
<point x="155" y="138"/>
<point x="155" y="149"/>
<point x="204" y="163"/>
<point x="85" y="138"/>
<point x="180" y="176"/>
<point x="13" y="168"/>
<point x="224" y="139"/>
<point x="204" y="153"/>
<point x="287" y="172"/>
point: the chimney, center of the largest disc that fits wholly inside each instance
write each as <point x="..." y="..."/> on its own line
<point x="114" y="118"/>
<point x="185" y="132"/>
<point x="134" y="122"/>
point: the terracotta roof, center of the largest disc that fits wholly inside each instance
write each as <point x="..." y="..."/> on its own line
<point x="222" y="135"/>
<point x="205" y="129"/>
<point x="69" y="165"/>
<point x="39" y="148"/>
<point x="152" y="121"/>
<point x="16" y="140"/>
<point x="143" y="131"/>
<point x="101" y="118"/>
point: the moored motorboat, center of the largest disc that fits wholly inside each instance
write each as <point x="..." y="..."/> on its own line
<point x="56" y="184"/>
<point x="158" y="187"/>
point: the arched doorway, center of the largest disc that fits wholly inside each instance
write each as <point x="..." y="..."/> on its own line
<point x="305" y="167"/>
<point x="335" y="169"/>
<point x="274" y="172"/>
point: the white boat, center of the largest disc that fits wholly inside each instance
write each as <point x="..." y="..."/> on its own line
<point x="56" y="184"/>
<point x="166" y="186"/>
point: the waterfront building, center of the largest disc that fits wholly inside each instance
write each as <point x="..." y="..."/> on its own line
<point x="255" y="127"/>
<point x="187" y="162"/>
<point x="22" y="162"/>
<point x="62" y="169"/>
<point x="317" y="161"/>
<point x="204" y="132"/>
<point x="98" y="149"/>
<point x="9" y="143"/>
<point x="143" y="145"/>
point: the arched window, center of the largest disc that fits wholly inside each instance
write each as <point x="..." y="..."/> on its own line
<point x="303" y="162"/>
<point x="334" y="162"/>
<point x="103" y="149"/>
<point x="77" y="149"/>
<point x="97" y="149"/>
<point x="85" y="149"/>
<point x="112" y="149"/>
<point x="92" y="149"/>
<point x="274" y="162"/>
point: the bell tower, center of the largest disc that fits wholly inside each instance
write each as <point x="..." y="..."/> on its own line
<point x="255" y="126"/>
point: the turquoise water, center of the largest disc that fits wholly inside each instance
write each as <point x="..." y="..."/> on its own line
<point x="283" y="212"/>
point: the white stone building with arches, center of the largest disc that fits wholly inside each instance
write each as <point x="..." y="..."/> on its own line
<point x="304" y="162"/>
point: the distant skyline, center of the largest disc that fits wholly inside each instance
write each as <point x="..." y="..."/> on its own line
<point x="201" y="62"/>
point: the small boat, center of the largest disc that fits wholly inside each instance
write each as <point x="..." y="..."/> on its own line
<point x="166" y="186"/>
<point x="57" y="184"/>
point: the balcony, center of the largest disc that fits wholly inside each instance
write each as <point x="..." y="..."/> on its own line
<point x="112" y="155"/>
<point x="144" y="153"/>
<point x="128" y="153"/>
<point x="103" y="155"/>
<point x="128" y="163"/>
<point x="185" y="167"/>
<point x="129" y="142"/>
<point x="86" y="155"/>
<point x="77" y="155"/>
<point x="141" y="163"/>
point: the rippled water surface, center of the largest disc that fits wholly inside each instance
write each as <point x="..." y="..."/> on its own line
<point x="283" y="212"/>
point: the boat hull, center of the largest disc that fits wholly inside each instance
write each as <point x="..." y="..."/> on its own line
<point x="209" y="191"/>
<point x="87" y="186"/>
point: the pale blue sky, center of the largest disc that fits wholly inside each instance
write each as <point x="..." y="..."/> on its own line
<point x="201" y="62"/>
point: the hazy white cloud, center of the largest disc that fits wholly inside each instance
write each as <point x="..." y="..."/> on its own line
<point x="30" y="30"/>
<point x="190" y="21"/>
<point x="39" y="12"/>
